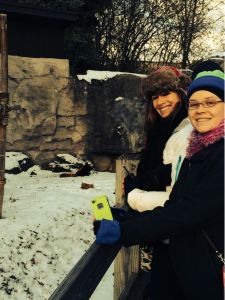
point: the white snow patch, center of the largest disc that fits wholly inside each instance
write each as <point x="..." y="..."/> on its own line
<point x="119" y="98"/>
<point x="12" y="159"/>
<point x="70" y="159"/>
<point x="37" y="169"/>
<point x="65" y="166"/>
<point x="46" y="228"/>
<point x="103" y="75"/>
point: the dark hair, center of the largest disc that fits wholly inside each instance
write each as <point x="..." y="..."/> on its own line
<point x="152" y="116"/>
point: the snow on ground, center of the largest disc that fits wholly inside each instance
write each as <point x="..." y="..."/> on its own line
<point x="103" y="75"/>
<point x="46" y="228"/>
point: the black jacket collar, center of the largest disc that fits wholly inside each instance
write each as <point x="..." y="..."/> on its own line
<point x="201" y="155"/>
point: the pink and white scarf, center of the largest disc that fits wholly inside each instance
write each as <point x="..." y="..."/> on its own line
<point x="198" y="141"/>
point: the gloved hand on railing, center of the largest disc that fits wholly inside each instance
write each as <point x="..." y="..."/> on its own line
<point x="107" y="232"/>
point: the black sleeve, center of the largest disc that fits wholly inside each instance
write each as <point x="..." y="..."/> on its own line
<point x="152" y="180"/>
<point x="202" y="206"/>
<point x="132" y="214"/>
<point x="157" y="179"/>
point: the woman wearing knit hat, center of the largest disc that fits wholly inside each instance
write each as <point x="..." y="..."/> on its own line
<point x="193" y="217"/>
<point x="165" y="91"/>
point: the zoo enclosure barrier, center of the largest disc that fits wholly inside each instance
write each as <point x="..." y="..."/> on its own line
<point x="82" y="280"/>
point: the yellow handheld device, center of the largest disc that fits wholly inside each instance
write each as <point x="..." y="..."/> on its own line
<point x="101" y="208"/>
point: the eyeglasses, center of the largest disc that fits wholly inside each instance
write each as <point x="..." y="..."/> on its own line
<point x="207" y="103"/>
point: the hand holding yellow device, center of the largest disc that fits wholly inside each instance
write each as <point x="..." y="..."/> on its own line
<point x="101" y="208"/>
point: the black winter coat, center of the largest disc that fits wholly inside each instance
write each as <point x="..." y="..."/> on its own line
<point x="196" y="202"/>
<point x="157" y="137"/>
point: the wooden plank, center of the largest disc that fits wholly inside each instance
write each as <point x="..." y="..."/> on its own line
<point x="85" y="276"/>
<point x="126" y="291"/>
<point x="127" y="260"/>
<point x="137" y="290"/>
<point x="130" y="161"/>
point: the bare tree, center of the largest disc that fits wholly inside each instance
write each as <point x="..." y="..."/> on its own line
<point x="124" y="30"/>
<point x="167" y="31"/>
<point x="194" y="24"/>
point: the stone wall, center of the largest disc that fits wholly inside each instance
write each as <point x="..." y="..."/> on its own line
<point x="95" y="120"/>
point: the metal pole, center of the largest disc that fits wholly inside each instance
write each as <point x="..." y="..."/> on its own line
<point x="4" y="99"/>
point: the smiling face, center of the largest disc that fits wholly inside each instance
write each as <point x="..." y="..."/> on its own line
<point x="166" y="103"/>
<point x="205" y="119"/>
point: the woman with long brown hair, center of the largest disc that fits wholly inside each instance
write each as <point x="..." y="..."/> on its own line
<point x="165" y="91"/>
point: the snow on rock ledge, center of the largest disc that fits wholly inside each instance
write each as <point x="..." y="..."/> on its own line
<point x="103" y="75"/>
<point x="70" y="159"/>
<point x="66" y="163"/>
<point x="16" y="162"/>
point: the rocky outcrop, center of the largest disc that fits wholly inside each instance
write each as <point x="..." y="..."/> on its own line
<point x="17" y="162"/>
<point x="93" y="120"/>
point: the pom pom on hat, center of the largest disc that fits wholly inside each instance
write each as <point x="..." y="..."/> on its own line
<point x="212" y="81"/>
<point x="207" y="65"/>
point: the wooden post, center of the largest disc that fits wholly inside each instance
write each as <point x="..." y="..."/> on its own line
<point x="4" y="98"/>
<point x="126" y="264"/>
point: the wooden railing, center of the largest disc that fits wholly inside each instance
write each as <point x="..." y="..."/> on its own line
<point x="83" y="279"/>
<point x="85" y="276"/>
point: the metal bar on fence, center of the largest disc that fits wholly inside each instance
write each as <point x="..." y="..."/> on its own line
<point x="4" y="99"/>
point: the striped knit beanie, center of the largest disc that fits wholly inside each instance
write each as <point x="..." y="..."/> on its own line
<point x="211" y="81"/>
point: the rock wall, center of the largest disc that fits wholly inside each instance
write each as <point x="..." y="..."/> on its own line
<point x="95" y="120"/>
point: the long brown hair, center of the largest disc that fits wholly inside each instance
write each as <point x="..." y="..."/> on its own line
<point x="151" y="115"/>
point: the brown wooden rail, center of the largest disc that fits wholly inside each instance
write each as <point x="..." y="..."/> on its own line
<point x="83" y="279"/>
<point x="85" y="276"/>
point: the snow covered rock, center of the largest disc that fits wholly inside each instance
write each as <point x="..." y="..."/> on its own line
<point x="57" y="167"/>
<point x="96" y="117"/>
<point x="16" y="162"/>
<point x="66" y="163"/>
<point x="35" y="170"/>
<point x="103" y="75"/>
<point x="69" y="159"/>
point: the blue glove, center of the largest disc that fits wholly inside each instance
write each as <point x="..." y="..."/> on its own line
<point x="109" y="232"/>
<point x="118" y="213"/>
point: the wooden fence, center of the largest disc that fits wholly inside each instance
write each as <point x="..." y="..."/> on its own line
<point x="85" y="276"/>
